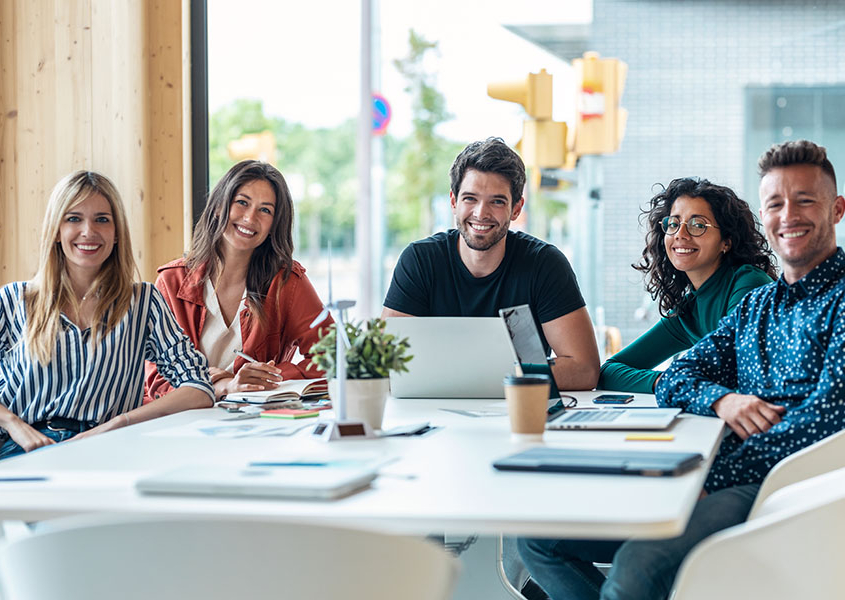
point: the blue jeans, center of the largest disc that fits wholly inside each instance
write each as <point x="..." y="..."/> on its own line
<point x="642" y="569"/>
<point x="10" y="448"/>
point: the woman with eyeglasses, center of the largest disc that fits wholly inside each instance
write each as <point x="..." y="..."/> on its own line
<point x="239" y="288"/>
<point x="703" y="253"/>
<point x="74" y="339"/>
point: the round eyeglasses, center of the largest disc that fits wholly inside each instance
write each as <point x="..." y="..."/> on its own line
<point x="696" y="226"/>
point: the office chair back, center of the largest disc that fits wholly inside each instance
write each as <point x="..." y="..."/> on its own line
<point x="822" y="457"/>
<point x="784" y="555"/>
<point x="99" y="558"/>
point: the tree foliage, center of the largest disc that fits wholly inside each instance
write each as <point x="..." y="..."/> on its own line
<point x="421" y="175"/>
<point x="320" y="166"/>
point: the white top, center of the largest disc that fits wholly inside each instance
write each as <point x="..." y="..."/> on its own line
<point x="442" y="481"/>
<point x="217" y="341"/>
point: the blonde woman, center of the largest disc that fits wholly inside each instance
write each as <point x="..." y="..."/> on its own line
<point x="74" y="339"/>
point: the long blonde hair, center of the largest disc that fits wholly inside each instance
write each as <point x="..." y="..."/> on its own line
<point x="51" y="287"/>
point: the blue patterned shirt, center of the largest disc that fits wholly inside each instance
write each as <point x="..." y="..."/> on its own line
<point x="783" y="343"/>
<point x="94" y="382"/>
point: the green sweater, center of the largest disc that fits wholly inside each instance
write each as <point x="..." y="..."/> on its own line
<point x="631" y="369"/>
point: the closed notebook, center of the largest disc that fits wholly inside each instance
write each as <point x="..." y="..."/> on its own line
<point x="291" y="389"/>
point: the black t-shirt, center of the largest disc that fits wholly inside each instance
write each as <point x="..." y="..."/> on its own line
<point x="431" y="280"/>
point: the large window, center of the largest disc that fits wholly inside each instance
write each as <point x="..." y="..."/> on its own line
<point x="284" y="85"/>
<point x="780" y="113"/>
<point x="710" y="85"/>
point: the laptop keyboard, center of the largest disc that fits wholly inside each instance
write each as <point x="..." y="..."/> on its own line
<point x="592" y="416"/>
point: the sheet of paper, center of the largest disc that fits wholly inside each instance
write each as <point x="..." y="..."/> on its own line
<point x="233" y="429"/>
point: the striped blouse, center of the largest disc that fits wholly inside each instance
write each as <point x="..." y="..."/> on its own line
<point x="94" y="382"/>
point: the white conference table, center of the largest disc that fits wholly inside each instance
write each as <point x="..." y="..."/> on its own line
<point x="440" y="482"/>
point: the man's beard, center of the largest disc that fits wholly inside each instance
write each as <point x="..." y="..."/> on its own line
<point x="489" y="240"/>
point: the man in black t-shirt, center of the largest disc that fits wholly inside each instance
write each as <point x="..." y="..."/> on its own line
<point x="480" y="267"/>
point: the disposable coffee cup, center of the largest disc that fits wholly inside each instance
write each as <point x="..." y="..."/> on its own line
<point x="527" y="398"/>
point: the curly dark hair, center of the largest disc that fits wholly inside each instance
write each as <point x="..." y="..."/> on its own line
<point x="737" y="225"/>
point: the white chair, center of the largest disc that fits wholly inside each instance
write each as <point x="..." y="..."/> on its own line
<point x="823" y="456"/>
<point x="780" y="555"/>
<point x="107" y="557"/>
<point x="804" y="494"/>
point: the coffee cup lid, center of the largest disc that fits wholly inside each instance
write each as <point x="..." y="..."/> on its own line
<point x="533" y="379"/>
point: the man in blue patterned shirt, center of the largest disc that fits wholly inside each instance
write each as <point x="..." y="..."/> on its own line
<point x="774" y="371"/>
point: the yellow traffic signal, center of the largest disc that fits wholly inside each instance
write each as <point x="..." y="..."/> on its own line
<point x="534" y="93"/>
<point x="543" y="141"/>
<point x="257" y="146"/>
<point x="600" y="124"/>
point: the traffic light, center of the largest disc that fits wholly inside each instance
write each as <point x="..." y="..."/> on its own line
<point x="600" y="123"/>
<point x="257" y="146"/>
<point x="543" y="142"/>
<point x="534" y="93"/>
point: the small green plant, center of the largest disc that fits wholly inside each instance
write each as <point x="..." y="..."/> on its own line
<point x="373" y="353"/>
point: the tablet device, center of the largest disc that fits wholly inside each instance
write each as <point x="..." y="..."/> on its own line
<point x="610" y="462"/>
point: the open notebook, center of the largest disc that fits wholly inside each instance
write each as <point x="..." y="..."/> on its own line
<point x="291" y="389"/>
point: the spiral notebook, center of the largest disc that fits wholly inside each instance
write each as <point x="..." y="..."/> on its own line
<point x="290" y="389"/>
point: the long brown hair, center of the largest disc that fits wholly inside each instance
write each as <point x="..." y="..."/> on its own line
<point x="51" y="287"/>
<point x="273" y="255"/>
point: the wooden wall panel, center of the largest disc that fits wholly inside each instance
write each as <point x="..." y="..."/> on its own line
<point x="94" y="84"/>
<point x="9" y="217"/>
<point x="120" y="123"/>
<point x="167" y="65"/>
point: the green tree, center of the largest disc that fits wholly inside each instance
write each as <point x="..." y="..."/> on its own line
<point x="230" y="123"/>
<point x="421" y="170"/>
<point x="304" y="156"/>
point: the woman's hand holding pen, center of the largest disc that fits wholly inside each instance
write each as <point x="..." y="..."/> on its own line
<point x="253" y="376"/>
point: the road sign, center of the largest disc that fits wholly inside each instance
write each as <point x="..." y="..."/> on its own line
<point x="381" y="114"/>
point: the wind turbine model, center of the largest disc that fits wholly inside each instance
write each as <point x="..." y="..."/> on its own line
<point x="340" y="428"/>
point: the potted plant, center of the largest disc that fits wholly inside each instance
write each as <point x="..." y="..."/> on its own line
<point x="371" y="356"/>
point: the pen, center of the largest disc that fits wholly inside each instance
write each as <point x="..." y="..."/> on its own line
<point x="21" y="479"/>
<point x="292" y="464"/>
<point x="245" y="356"/>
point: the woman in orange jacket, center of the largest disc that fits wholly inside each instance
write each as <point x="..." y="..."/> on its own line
<point x="240" y="289"/>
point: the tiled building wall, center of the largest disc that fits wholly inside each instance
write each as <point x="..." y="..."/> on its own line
<point x="689" y="62"/>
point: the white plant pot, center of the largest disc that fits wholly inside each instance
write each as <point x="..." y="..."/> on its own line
<point x="365" y="399"/>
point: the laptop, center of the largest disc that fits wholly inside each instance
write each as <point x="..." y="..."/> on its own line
<point x="454" y="357"/>
<point x="527" y="349"/>
<point x="611" y="462"/>
<point x="295" y="482"/>
<point x="526" y="346"/>
<point x="614" y="418"/>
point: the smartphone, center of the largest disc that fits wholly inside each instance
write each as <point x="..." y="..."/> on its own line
<point x="613" y="399"/>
